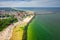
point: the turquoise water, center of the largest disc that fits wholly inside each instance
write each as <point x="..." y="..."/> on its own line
<point x="44" y="27"/>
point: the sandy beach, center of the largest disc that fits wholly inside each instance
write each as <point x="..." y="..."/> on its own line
<point x="17" y="33"/>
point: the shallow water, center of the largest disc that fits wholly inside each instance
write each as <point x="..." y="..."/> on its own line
<point x="44" y="27"/>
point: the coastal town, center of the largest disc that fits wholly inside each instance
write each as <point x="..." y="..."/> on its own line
<point x="13" y="22"/>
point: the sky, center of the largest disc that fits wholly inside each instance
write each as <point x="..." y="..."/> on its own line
<point x="29" y="3"/>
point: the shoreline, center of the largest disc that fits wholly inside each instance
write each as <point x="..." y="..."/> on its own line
<point x="11" y="30"/>
<point x="18" y="31"/>
<point x="25" y="29"/>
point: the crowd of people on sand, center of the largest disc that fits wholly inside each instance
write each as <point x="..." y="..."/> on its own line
<point x="6" y="33"/>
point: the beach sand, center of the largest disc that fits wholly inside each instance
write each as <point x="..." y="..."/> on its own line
<point x="17" y="33"/>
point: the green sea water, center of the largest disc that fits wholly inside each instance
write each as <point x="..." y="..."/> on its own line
<point x="44" y="27"/>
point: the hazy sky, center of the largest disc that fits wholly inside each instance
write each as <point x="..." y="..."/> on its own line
<point x="29" y="3"/>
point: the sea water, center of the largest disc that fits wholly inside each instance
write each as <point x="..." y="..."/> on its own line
<point x="45" y="26"/>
